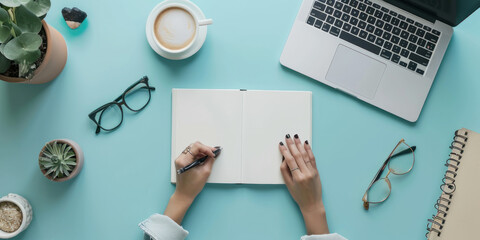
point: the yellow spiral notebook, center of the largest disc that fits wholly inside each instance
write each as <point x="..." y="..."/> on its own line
<point x="458" y="207"/>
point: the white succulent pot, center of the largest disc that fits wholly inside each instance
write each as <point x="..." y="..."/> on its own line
<point x="27" y="213"/>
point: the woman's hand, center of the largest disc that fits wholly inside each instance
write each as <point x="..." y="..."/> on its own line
<point x="299" y="170"/>
<point x="191" y="182"/>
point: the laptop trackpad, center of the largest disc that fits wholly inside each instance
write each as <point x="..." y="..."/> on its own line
<point x="356" y="72"/>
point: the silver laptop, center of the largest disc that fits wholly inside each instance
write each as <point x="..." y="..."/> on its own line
<point x="386" y="53"/>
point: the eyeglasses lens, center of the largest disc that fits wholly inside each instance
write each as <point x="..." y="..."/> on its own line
<point x="379" y="191"/>
<point x="137" y="97"/>
<point x="110" y="117"/>
<point x="402" y="160"/>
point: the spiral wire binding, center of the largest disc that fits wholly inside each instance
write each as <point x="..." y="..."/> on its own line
<point x="436" y="223"/>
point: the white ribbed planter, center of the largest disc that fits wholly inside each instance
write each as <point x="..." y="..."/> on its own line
<point x="27" y="213"/>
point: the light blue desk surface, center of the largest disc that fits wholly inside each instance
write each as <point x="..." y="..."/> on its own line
<point x="126" y="176"/>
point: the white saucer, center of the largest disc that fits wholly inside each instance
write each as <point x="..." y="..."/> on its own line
<point x="202" y="32"/>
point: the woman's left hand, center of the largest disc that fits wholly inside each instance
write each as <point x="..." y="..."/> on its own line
<point x="299" y="170"/>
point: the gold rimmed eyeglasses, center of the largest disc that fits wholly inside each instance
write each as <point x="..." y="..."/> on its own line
<point x="399" y="162"/>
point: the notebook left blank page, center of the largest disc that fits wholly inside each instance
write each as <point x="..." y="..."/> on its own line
<point x="213" y="117"/>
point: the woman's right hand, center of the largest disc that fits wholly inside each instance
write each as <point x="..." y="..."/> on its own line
<point x="299" y="170"/>
<point x="190" y="183"/>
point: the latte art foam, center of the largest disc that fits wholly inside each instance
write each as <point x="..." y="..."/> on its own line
<point x="175" y="28"/>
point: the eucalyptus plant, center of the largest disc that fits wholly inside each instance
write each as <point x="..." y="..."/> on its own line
<point x="20" y="41"/>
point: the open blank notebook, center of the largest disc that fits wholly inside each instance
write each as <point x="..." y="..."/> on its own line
<point x="247" y="124"/>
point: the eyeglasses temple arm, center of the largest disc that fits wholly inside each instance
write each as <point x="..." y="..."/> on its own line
<point x="379" y="173"/>
<point x="406" y="151"/>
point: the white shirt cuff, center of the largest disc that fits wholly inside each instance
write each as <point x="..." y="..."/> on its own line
<point x="332" y="236"/>
<point x="161" y="227"/>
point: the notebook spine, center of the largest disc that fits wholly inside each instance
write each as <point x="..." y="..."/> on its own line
<point x="436" y="223"/>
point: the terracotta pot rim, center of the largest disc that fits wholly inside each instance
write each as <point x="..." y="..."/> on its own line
<point x="43" y="64"/>
<point x="74" y="171"/>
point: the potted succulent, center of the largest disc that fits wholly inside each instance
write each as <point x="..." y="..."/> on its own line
<point x="15" y="215"/>
<point x="31" y="51"/>
<point x="61" y="160"/>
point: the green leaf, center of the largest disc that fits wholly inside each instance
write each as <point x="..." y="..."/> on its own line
<point x="10" y="3"/>
<point x="5" y="34"/>
<point x="55" y="149"/>
<point x="67" y="168"/>
<point x="44" y="159"/>
<point x="48" y="165"/>
<point x="66" y="151"/>
<point x="69" y="155"/>
<point x="47" y="154"/>
<point x="24" y="47"/>
<point x="30" y="57"/>
<point x="48" y="151"/>
<point x="4" y="16"/>
<point x="27" y="21"/>
<point x="71" y="163"/>
<point x="16" y="30"/>
<point x="64" y="146"/>
<point x="52" y="148"/>
<point x="37" y="7"/>
<point x="48" y="147"/>
<point x="4" y="63"/>
<point x="49" y="171"/>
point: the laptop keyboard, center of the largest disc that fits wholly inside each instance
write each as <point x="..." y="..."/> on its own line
<point x="377" y="29"/>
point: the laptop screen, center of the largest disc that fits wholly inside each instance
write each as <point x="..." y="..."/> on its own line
<point x="451" y="12"/>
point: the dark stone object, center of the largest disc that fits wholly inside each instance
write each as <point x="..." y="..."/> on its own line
<point x="73" y="16"/>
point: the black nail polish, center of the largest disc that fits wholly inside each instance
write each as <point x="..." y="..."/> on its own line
<point x="295" y="136"/>
<point x="283" y="158"/>
<point x="281" y="143"/>
<point x="306" y="141"/>
<point x="287" y="136"/>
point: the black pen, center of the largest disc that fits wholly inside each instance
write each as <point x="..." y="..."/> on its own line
<point x="198" y="162"/>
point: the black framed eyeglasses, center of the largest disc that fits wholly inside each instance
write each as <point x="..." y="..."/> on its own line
<point x="110" y="116"/>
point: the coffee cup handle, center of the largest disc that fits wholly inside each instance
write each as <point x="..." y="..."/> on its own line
<point x="205" y="22"/>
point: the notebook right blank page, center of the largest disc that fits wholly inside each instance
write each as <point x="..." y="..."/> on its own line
<point x="267" y="117"/>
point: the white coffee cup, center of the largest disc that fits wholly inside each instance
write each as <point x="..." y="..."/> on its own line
<point x="173" y="27"/>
